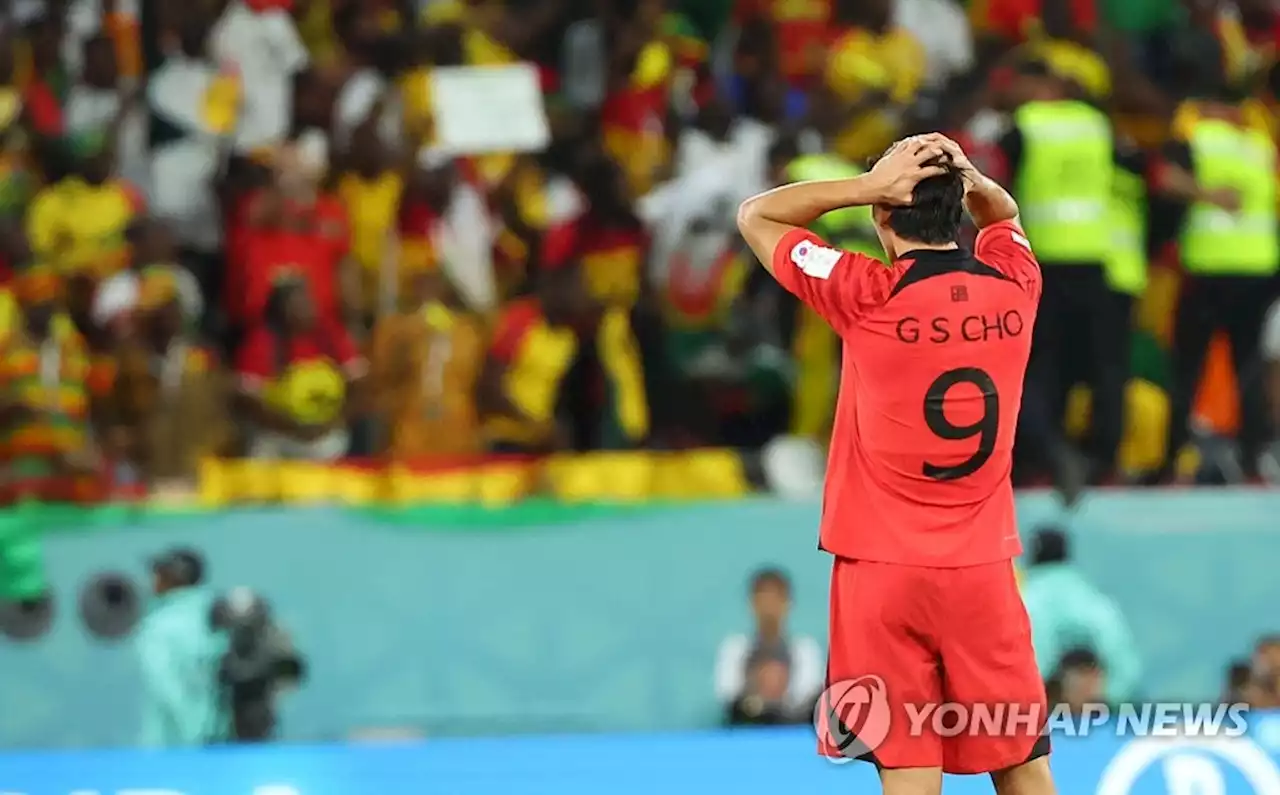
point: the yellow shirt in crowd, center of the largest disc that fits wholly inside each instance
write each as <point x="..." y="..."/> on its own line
<point x="372" y="205"/>
<point x="76" y="226"/>
<point x="862" y="62"/>
<point x="1074" y="62"/>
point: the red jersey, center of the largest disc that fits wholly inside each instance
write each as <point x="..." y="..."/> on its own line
<point x="315" y="250"/>
<point x="935" y="350"/>
<point x="264" y="356"/>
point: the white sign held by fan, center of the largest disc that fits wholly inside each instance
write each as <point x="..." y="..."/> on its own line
<point x="481" y="109"/>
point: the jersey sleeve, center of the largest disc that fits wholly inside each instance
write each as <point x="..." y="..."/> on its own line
<point x="834" y="283"/>
<point x="1003" y="246"/>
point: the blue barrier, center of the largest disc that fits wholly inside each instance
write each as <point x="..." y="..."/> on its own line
<point x="744" y="762"/>
<point x="604" y="624"/>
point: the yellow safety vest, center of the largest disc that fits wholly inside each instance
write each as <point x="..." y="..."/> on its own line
<point x="1216" y="242"/>
<point x="850" y="228"/>
<point x="1126" y="264"/>
<point x="1064" y="183"/>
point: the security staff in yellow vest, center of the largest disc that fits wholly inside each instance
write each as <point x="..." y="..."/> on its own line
<point x="1062" y="156"/>
<point x="1224" y="170"/>
<point x="814" y="345"/>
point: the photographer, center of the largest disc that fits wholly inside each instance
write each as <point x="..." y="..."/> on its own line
<point x="260" y="661"/>
<point x="179" y="652"/>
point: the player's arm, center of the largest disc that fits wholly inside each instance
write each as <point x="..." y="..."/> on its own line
<point x="765" y="219"/>
<point x="986" y="201"/>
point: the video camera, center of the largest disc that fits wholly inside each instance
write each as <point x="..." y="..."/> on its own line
<point x="260" y="660"/>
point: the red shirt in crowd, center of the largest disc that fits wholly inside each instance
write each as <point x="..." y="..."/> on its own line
<point x="43" y="108"/>
<point x="1014" y="18"/>
<point x="802" y="27"/>
<point x="313" y="245"/>
<point x="612" y="256"/>
<point x="935" y="349"/>
<point x="264" y="356"/>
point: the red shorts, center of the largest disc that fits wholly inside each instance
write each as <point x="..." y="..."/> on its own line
<point x="950" y="652"/>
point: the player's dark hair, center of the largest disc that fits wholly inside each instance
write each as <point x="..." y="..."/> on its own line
<point x="1080" y="658"/>
<point x="1049" y="545"/>
<point x="770" y="577"/>
<point x="936" y="211"/>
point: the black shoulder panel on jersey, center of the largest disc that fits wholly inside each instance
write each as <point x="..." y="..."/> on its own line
<point x="929" y="263"/>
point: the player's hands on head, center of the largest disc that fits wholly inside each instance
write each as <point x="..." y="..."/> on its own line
<point x="955" y="154"/>
<point x="901" y="168"/>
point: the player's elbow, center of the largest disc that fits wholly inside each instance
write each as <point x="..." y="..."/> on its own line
<point x="760" y="232"/>
<point x="749" y="216"/>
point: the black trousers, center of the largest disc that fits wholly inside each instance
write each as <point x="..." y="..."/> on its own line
<point x="1236" y="305"/>
<point x="1081" y="334"/>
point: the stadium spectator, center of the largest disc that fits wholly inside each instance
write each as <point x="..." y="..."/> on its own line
<point x="294" y="226"/>
<point x="18" y="172"/>
<point x="770" y="663"/>
<point x="98" y="103"/>
<point x="301" y="378"/>
<point x="534" y="344"/>
<point x="610" y="245"/>
<point x="1061" y="38"/>
<point x="1017" y="20"/>
<point x="1069" y="612"/>
<point x="1242" y="687"/>
<point x="51" y="451"/>
<point x="371" y="191"/>
<point x="78" y="223"/>
<point x="764" y="700"/>
<point x="633" y="116"/>
<point x="802" y="30"/>
<point x="263" y="48"/>
<point x="45" y="78"/>
<point x="1266" y="669"/>
<point x="166" y="408"/>
<point x="1080" y="682"/>
<point x="426" y="360"/>
<point x="874" y="70"/>
<point x="194" y="108"/>
<point x="444" y="223"/>
<point x="942" y="29"/>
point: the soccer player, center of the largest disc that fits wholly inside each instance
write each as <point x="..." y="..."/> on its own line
<point x="918" y="508"/>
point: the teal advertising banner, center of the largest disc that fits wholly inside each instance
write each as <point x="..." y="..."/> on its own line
<point x="604" y="622"/>
<point x="743" y="762"/>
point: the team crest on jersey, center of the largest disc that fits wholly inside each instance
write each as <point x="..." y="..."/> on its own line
<point x="815" y="261"/>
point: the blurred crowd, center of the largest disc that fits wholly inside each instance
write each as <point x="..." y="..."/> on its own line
<point x="253" y="228"/>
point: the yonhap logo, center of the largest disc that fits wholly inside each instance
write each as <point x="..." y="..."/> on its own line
<point x="851" y="718"/>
